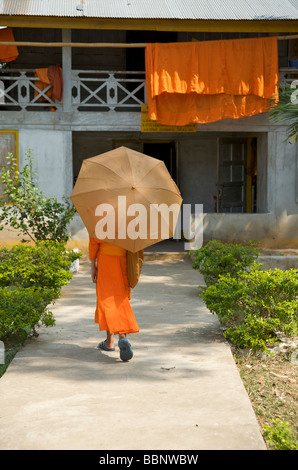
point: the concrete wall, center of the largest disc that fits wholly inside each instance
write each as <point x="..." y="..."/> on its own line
<point x="52" y="154"/>
<point x="198" y="171"/>
<point x="262" y="170"/>
<point x="49" y="136"/>
<point x="282" y="161"/>
<point x="276" y="226"/>
<point x="197" y="160"/>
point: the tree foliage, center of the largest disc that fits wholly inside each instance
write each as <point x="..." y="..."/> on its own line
<point x="25" y="208"/>
<point x="286" y="110"/>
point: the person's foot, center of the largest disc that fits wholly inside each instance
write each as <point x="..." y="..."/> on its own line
<point x="103" y="345"/>
<point x="126" y="352"/>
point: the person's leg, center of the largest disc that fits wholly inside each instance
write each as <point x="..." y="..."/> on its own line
<point x="126" y="352"/>
<point x="109" y="342"/>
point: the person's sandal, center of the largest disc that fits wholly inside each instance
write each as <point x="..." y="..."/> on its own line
<point x="125" y="349"/>
<point x="104" y="347"/>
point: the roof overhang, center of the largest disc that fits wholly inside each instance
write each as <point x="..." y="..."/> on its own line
<point x="249" y="26"/>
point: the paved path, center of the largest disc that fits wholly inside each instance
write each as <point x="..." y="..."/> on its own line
<point x="180" y="391"/>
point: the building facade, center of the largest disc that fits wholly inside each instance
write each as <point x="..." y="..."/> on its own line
<point x="243" y="171"/>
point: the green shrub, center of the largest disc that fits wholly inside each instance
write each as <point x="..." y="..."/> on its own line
<point x="279" y="436"/>
<point x="44" y="265"/>
<point x="255" y="305"/>
<point x="31" y="277"/>
<point x="255" y="332"/>
<point x="217" y="258"/>
<point x="21" y="308"/>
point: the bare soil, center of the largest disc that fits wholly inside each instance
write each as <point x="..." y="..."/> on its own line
<point x="271" y="383"/>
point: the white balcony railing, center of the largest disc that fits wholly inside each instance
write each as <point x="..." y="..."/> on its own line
<point x="287" y="75"/>
<point x="91" y="91"/>
<point x="19" y="90"/>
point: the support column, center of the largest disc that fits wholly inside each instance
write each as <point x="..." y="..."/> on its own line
<point x="271" y="171"/>
<point x="66" y="68"/>
<point x="67" y="107"/>
<point x="296" y="183"/>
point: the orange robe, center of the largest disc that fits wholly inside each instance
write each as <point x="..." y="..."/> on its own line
<point x="49" y="76"/>
<point x="206" y="81"/>
<point x="113" y="310"/>
<point x="8" y="53"/>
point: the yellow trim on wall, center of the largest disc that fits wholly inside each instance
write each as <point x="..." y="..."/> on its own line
<point x="16" y="155"/>
<point x="3" y="131"/>
<point x="248" y="26"/>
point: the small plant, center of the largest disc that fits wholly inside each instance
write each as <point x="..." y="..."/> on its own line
<point x="26" y="209"/>
<point x="217" y="258"/>
<point x="279" y="436"/>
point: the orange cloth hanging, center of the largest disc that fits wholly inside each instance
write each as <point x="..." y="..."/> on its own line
<point x="49" y="76"/>
<point x="7" y="53"/>
<point x="208" y="81"/>
<point x="42" y="84"/>
<point x="113" y="310"/>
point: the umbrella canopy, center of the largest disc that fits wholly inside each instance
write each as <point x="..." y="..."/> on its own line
<point x="127" y="198"/>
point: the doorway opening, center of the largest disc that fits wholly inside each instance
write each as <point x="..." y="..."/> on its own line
<point x="165" y="151"/>
<point x="237" y="175"/>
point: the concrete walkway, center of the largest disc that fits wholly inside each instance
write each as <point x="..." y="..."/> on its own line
<point x="181" y="390"/>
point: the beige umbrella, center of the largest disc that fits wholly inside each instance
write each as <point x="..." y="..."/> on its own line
<point x="127" y="198"/>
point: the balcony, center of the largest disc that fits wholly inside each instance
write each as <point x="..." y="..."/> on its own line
<point x="287" y="75"/>
<point x="90" y="91"/>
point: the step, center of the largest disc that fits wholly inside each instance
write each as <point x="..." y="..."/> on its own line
<point x="165" y="255"/>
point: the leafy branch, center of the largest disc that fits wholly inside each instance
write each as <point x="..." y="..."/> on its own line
<point x="286" y="109"/>
<point x="26" y="209"/>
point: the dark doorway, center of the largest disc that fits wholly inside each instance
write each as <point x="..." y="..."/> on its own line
<point x="135" y="58"/>
<point x="165" y="151"/>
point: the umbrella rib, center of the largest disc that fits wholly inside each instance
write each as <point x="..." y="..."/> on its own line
<point x="165" y="189"/>
<point x="140" y="181"/>
<point x="151" y="203"/>
<point x="108" y="190"/>
<point x="162" y="189"/>
<point x="110" y="169"/>
<point x="159" y="212"/>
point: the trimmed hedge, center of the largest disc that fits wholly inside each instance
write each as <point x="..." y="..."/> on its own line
<point x="253" y="305"/>
<point x="31" y="277"/>
<point x="21" y="308"/>
<point x="217" y="258"/>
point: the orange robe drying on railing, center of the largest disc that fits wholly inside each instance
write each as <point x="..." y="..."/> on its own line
<point x="113" y="310"/>
<point x="210" y="80"/>
<point x="51" y="75"/>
